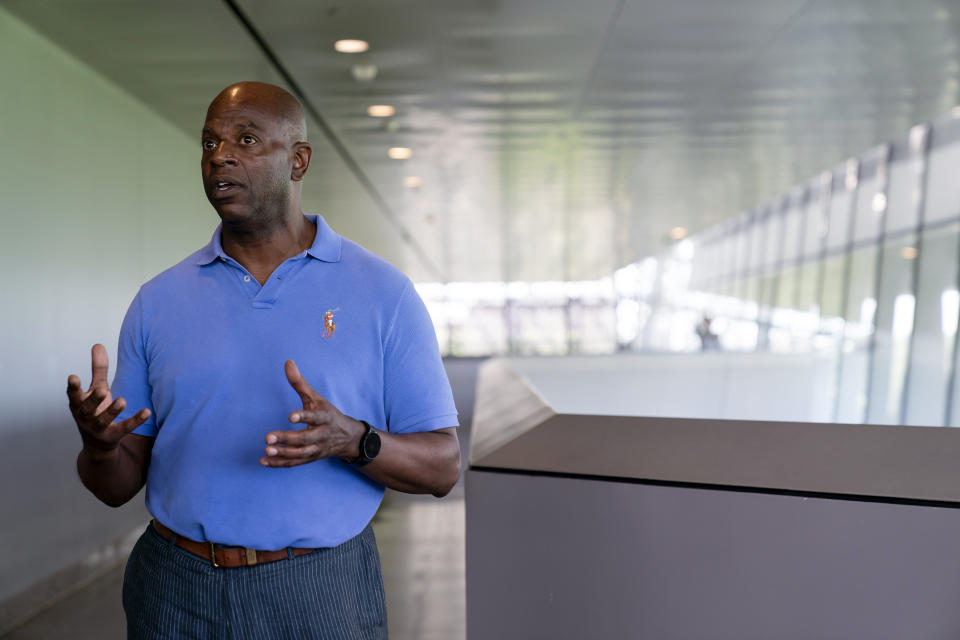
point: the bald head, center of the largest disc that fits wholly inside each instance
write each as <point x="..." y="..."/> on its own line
<point x="273" y="101"/>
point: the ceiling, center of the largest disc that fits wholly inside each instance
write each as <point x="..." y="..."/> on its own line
<point x="554" y="139"/>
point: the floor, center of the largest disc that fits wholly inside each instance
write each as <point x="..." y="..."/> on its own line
<point x="421" y="541"/>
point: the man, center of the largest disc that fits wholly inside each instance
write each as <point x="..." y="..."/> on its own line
<point x="261" y="531"/>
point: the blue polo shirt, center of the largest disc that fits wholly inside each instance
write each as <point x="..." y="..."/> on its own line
<point x="203" y="347"/>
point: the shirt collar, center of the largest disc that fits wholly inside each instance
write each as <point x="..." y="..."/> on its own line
<point x="325" y="247"/>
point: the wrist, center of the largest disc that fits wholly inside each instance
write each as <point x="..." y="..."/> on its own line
<point x="357" y="430"/>
<point x="363" y="448"/>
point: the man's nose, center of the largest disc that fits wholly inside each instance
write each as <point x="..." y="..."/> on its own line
<point x="223" y="155"/>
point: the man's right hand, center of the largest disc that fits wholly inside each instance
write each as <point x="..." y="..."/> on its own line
<point x="95" y="410"/>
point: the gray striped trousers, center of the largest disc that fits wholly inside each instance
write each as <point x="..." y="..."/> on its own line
<point x="333" y="593"/>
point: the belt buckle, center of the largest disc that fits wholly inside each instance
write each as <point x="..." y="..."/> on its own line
<point x="251" y="556"/>
<point x="213" y="555"/>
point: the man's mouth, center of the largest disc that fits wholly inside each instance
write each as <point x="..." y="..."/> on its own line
<point x="224" y="188"/>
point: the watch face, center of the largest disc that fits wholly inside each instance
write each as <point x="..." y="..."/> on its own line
<point x="371" y="445"/>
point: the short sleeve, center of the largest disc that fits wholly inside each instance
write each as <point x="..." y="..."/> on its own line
<point x="417" y="395"/>
<point x="132" y="381"/>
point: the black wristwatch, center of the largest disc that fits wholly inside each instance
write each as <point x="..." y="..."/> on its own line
<point x="369" y="446"/>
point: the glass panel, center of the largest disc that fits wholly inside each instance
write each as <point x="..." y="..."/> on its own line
<point x="758" y="242"/>
<point x="792" y="238"/>
<point x="477" y="331"/>
<point x="729" y="261"/>
<point x="936" y="327"/>
<point x="903" y="195"/>
<point x="783" y="314"/>
<point x="767" y="291"/>
<point x="751" y="295"/>
<point x="746" y="242"/>
<point x="815" y="229"/>
<point x="673" y="330"/>
<point x="739" y="260"/>
<point x="698" y="270"/>
<point x="708" y="257"/>
<point x="831" y="301"/>
<point x="943" y="188"/>
<point x="838" y="232"/>
<point x="787" y="288"/>
<point x="859" y="316"/>
<point x="540" y="330"/>
<point x="808" y="299"/>
<point x="870" y="206"/>
<point x="593" y="327"/>
<point x="807" y="320"/>
<point x="750" y="329"/>
<point x="773" y="244"/>
<point x="774" y="240"/>
<point x="895" y="313"/>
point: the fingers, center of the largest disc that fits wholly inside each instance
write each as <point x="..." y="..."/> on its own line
<point x="92" y="400"/>
<point x="74" y="390"/>
<point x="97" y="398"/>
<point x="288" y="448"/>
<point x="310" y="418"/>
<point x="291" y="438"/>
<point x="291" y="448"/>
<point x="134" y="421"/>
<point x="99" y="365"/>
<point x="310" y="398"/>
<point x="304" y="390"/>
<point x="284" y="462"/>
<point x="114" y="432"/>
<point x="108" y="415"/>
<point x="311" y="451"/>
<point x="314" y="417"/>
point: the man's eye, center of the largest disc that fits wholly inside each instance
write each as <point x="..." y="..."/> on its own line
<point x="209" y="144"/>
<point x="248" y="139"/>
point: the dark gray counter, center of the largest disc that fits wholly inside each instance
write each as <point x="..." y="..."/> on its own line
<point x="582" y="526"/>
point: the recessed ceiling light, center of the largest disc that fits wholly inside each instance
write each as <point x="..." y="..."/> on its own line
<point x="412" y="182"/>
<point x="351" y="46"/>
<point x="380" y="110"/>
<point x="678" y="233"/>
<point x="364" y="72"/>
<point x="908" y="253"/>
<point x="400" y="153"/>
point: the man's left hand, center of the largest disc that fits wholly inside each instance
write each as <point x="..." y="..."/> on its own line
<point x="328" y="432"/>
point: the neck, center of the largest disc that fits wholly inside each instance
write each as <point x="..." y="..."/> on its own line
<point x="262" y="247"/>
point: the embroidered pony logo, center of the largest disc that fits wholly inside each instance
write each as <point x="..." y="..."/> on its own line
<point x="329" y="326"/>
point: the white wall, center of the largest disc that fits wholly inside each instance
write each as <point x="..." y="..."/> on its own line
<point x="97" y="194"/>
<point x="747" y="386"/>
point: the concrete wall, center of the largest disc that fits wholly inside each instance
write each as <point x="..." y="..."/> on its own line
<point x="97" y="194"/>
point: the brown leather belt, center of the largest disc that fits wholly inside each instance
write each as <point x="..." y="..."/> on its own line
<point x="227" y="557"/>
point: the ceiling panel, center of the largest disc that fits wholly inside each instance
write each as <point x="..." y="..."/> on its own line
<point x="553" y="139"/>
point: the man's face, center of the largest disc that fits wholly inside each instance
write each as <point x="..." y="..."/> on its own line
<point x="246" y="162"/>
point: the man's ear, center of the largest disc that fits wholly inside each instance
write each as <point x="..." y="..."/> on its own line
<point x="302" y="152"/>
